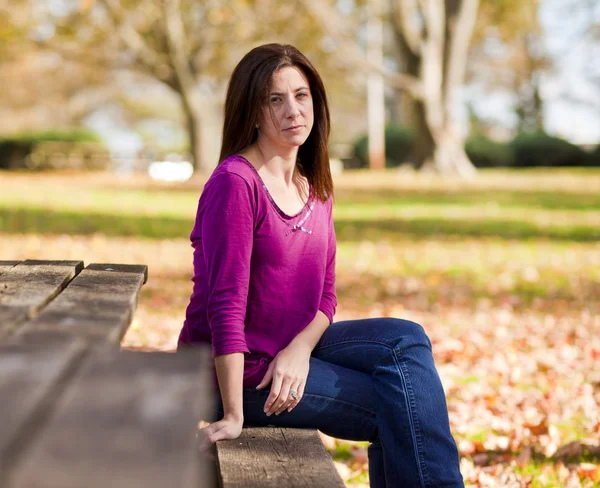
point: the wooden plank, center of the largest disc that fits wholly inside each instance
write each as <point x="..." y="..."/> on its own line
<point x="128" y="419"/>
<point x="122" y="268"/>
<point x="28" y="286"/>
<point x="6" y="265"/>
<point x="264" y="457"/>
<point x="98" y="304"/>
<point x="29" y="375"/>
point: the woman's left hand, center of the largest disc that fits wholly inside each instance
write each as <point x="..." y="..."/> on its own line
<point x="288" y="371"/>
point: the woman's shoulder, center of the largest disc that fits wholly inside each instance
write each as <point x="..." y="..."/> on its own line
<point x="236" y="164"/>
<point x="233" y="170"/>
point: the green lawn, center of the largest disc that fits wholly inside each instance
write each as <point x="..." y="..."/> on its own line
<point x="32" y="205"/>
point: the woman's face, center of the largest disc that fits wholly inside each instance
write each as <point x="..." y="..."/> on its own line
<point x="291" y="101"/>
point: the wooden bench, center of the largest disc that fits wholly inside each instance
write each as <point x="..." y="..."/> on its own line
<point x="265" y="457"/>
<point x="79" y="412"/>
<point x="97" y="302"/>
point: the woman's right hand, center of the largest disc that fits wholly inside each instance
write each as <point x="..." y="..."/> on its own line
<point x="226" y="428"/>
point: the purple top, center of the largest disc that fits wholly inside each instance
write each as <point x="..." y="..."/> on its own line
<point x="260" y="276"/>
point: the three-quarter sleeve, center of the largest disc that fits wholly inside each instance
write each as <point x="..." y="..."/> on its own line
<point x="227" y="226"/>
<point x="328" y="297"/>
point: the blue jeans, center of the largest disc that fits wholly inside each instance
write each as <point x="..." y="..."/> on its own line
<point x="375" y="380"/>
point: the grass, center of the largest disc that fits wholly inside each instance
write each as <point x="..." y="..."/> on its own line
<point x="533" y="199"/>
<point x="414" y="208"/>
<point x="160" y="225"/>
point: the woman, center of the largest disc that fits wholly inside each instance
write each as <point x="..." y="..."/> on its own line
<point x="264" y="291"/>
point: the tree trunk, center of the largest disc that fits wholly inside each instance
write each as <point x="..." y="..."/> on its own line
<point x="375" y="89"/>
<point x="437" y="56"/>
<point x="424" y="143"/>
<point x="439" y="147"/>
<point x="194" y="127"/>
<point x="185" y="80"/>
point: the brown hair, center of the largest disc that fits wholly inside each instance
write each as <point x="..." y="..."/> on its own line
<point x="251" y="78"/>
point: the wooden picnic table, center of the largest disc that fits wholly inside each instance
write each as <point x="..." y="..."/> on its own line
<point x="78" y="412"/>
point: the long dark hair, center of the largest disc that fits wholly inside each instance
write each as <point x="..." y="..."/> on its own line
<point x="249" y="82"/>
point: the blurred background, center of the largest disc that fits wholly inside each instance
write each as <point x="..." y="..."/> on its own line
<point x="465" y="153"/>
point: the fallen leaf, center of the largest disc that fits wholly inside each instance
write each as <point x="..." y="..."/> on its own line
<point x="589" y="470"/>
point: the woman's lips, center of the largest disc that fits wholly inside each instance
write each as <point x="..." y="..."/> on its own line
<point x="295" y="128"/>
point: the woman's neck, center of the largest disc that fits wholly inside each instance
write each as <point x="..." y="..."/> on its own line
<point x="280" y="163"/>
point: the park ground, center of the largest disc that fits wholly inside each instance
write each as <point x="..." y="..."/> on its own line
<point x="503" y="272"/>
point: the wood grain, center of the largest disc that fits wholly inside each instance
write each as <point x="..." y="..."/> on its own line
<point x="6" y="265"/>
<point x="264" y="457"/>
<point x="98" y="304"/>
<point x="29" y="286"/>
<point x="29" y="380"/>
<point x="128" y="419"/>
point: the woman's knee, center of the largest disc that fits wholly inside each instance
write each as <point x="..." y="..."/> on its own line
<point x="409" y="333"/>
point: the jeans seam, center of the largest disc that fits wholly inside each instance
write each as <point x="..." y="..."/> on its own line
<point x="415" y="426"/>
<point x="361" y="340"/>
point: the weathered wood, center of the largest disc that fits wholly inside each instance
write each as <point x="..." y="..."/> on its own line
<point x="30" y="377"/>
<point x="122" y="268"/>
<point x="6" y="265"/>
<point x="98" y="304"/>
<point x="264" y="457"/>
<point x="127" y="419"/>
<point x="28" y="286"/>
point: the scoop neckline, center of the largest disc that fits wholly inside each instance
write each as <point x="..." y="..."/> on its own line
<point x="270" y="197"/>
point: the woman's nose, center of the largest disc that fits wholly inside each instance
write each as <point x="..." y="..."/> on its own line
<point x="292" y="110"/>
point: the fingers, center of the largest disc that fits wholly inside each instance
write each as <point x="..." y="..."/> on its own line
<point x="208" y="436"/>
<point x="207" y="454"/>
<point x="289" y="400"/>
<point x="294" y="403"/>
<point x="285" y="405"/>
<point x="275" y="393"/>
<point x="284" y="398"/>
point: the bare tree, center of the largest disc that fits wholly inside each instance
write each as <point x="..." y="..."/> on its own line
<point x="179" y="43"/>
<point x="432" y="38"/>
<point x="186" y="45"/>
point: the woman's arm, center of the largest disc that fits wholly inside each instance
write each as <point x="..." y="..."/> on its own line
<point x="230" y="373"/>
<point x="310" y="335"/>
<point x="328" y="303"/>
<point x="225" y="225"/>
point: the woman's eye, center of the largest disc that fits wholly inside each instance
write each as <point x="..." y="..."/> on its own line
<point x="275" y="99"/>
<point x="302" y="94"/>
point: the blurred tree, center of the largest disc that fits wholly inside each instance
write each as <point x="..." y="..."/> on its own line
<point x="508" y="54"/>
<point x="176" y="42"/>
<point x="38" y="88"/>
<point x="188" y="46"/>
<point x="432" y="40"/>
